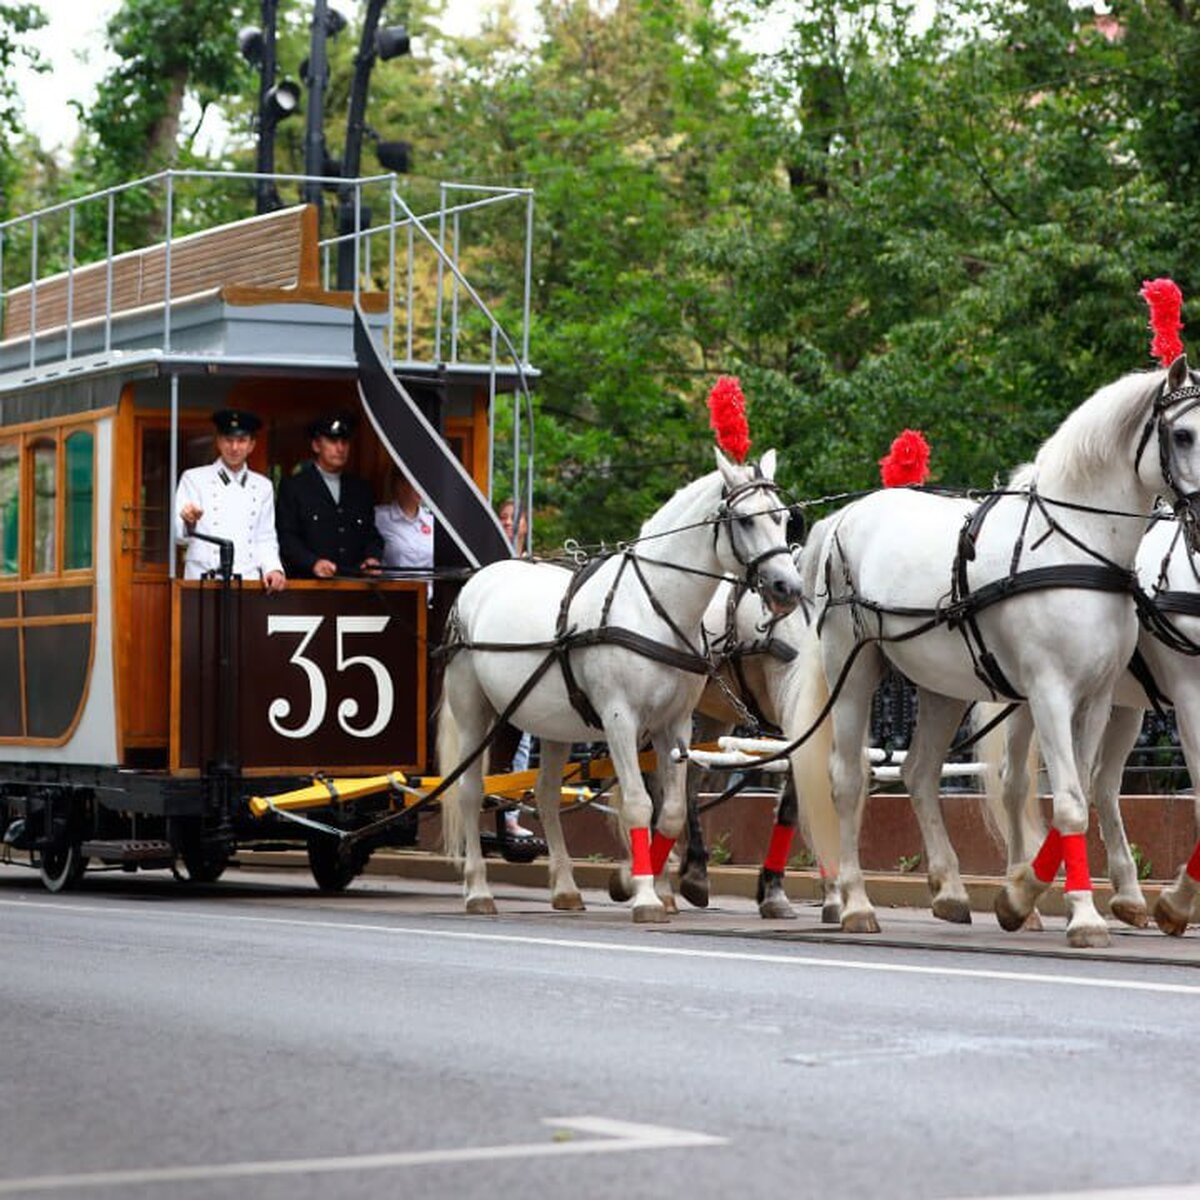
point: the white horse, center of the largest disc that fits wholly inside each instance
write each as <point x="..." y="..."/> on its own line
<point x="515" y="620"/>
<point x="1168" y="572"/>
<point x="901" y="561"/>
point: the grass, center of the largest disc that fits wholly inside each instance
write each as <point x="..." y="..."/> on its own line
<point x="719" y="852"/>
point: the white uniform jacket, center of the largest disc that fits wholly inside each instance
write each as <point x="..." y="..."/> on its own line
<point x="238" y="507"/>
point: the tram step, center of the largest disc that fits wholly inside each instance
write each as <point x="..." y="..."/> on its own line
<point x="139" y="852"/>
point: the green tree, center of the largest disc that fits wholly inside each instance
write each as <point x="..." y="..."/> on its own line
<point x="16" y="22"/>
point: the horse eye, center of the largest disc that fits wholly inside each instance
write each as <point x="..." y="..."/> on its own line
<point x="745" y="522"/>
<point x="1183" y="438"/>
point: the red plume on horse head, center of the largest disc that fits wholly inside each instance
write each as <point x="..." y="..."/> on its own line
<point x="727" y="416"/>
<point x="907" y="462"/>
<point x="1166" y="303"/>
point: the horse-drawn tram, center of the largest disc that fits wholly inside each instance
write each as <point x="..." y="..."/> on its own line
<point x="141" y="711"/>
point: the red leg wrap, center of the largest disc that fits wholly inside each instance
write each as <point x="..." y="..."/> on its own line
<point x="1193" y="864"/>
<point x="660" y="847"/>
<point x="1079" y="876"/>
<point x="639" y="846"/>
<point x="1049" y="857"/>
<point x="780" y="848"/>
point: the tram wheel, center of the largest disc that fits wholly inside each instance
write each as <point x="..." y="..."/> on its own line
<point x="204" y="864"/>
<point x="332" y="872"/>
<point x="62" y="866"/>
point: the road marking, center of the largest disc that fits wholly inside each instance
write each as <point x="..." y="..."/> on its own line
<point x="1184" y="1191"/>
<point x="612" y="1137"/>
<point x="657" y="950"/>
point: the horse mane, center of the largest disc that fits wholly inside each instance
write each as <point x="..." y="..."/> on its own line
<point x="1097" y="431"/>
<point x="680" y="506"/>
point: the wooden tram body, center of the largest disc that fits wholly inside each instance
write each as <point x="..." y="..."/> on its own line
<point x="139" y="712"/>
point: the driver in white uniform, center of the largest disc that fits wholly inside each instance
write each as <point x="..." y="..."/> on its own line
<point x="228" y="500"/>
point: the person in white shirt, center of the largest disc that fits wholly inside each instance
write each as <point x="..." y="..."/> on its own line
<point x="406" y="526"/>
<point x="226" y="499"/>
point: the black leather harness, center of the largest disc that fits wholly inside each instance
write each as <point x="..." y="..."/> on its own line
<point x="968" y="602"/>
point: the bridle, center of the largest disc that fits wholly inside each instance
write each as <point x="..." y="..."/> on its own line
<point x="725" y="517"/>
<point x="1182" y="400"/>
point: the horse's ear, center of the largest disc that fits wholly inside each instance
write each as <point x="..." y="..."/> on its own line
<point x="767" y="465"/>
<point x="728" y="469"/>
<point x="1177" y="373"/>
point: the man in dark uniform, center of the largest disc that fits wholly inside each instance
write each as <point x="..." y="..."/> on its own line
<point x="326" y="517"/>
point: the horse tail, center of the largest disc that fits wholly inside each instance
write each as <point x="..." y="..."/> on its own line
<point x="449" y="754"/>
<point x="993" y="751"/>
<point x="807" y="699"/>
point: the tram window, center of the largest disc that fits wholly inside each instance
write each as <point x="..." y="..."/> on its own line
<point x="10" y="508"/>
<point x="158" y="489"/>
<point x="77" y="553"/>
<point x="45" y="503"/>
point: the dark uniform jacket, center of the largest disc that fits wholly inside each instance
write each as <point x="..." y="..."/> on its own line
<point x="311" y="526"/>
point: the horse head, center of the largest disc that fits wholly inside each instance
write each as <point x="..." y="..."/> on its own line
<point x="1177" y="419"/>
<point x="750" y="531"/>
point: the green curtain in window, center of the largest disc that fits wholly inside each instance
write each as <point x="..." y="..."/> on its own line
<point x="10" y="509"/>
<point x="79" y="501"/>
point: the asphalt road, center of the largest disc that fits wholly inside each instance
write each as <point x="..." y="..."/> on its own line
<point x="257" y="1039"/>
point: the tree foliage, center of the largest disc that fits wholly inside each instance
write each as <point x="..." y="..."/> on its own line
<point x="16" y="22"/>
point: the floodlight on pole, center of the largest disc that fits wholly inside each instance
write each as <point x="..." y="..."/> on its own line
<point x="394" y="156"/>
<point x="250" y="43"/>
<point x="392" y="42"/>
<point x="283" y="100"/>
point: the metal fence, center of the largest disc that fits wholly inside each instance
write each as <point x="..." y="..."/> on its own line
<point x="1156" y="766"/>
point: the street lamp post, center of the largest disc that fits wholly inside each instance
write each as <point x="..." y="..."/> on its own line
<point x="275" y="102"/>
<point x="266" y="195"/>
<point x="278" y="101"/>
<point x="314" y="131"/>
<point x="364" y="61"/>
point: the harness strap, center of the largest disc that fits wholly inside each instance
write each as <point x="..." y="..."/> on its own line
<point x="968" y="602"/>
<point x="983" y="661"/>
<point x="578" y="697"/>
<point x="1139" y="668"/>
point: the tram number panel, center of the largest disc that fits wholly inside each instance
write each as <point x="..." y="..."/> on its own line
<point x="323" y="677"/>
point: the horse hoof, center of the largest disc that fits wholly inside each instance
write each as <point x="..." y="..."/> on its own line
<point x="777" y="908"/>
<point x="1088" y="937"/>
<point x="620" y="886"/>
<point x="1010" y="917"/>
<point x="694" y="889"/>
<point x="568" y="902"/>
<point x="670" y="906"/>
<point x="649" y="914"/>
<point x="957" y="912"/>
<point x="831" y="913"/>
<point x="481" y="906"/>
<point x="1131" y="913"/>
<point x="1033" y="922"/>
<point x="1168" y="920"/>
<point x="860" y="922"/>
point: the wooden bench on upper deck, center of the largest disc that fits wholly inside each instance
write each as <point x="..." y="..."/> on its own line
<point x="268" y="259"/>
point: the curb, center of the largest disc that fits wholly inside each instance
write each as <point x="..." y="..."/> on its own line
<point x="886" y="889"/>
